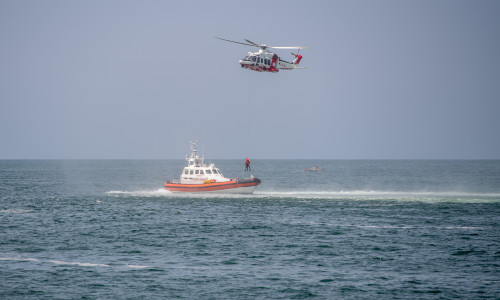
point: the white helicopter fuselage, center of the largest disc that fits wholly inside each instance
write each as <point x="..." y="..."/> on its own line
<point x="266" y="61"/>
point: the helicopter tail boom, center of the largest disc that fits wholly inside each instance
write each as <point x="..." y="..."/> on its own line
<point x="297" y="59"/>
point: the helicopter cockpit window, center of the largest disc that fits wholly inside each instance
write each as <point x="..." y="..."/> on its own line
<point x="252" y="58"/>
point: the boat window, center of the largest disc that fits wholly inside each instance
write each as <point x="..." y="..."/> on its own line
<point x="214" y="171"/>
<point x="191" y="172"/>
<point x="201" y="172"/>
<point x="186" y="172"/>
<point x="197" y="172"/>
<point x="208" y="172"/>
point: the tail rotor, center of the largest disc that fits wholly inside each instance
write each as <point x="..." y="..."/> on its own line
<point x="298" y="57"/>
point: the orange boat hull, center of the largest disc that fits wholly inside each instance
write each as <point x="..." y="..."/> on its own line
<point x="242" y="186"/>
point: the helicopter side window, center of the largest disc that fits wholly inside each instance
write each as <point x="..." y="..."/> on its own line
<point x="253" y="58"/>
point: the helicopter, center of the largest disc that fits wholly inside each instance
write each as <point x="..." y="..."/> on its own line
<point x="265" y="60"/>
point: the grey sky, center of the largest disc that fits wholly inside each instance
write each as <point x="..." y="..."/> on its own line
<point x="140" y="79"/>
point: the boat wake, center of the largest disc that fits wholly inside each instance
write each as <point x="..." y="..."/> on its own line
<point x="423" y="196"/>
<point x="154" y="193"/>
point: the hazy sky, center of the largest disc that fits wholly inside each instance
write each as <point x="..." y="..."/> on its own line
<point x="140" y="79"/>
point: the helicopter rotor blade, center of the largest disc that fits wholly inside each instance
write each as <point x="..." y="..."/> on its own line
<point x="297" y="47"/>
<point x="250" y="43"/>
<point x="236" y="42"/>
<point x="296" y="54"/>
<point x="255" y="44"/>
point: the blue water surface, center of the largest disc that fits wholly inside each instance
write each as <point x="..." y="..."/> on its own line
<point x="361" y="229"/>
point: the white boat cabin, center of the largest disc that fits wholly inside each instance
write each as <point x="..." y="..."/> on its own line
<point x="197" y="172"/>
<point x="200" y="174"/>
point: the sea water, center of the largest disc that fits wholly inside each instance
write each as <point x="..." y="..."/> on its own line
<point x="361" y="229"/>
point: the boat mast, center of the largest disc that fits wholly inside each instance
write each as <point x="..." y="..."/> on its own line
<point x="194" y="159"/>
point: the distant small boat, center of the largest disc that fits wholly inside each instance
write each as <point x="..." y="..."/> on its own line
<point x="314" y="169"/>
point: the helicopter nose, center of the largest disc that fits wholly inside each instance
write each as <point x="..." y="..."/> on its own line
<point x="245" y="62"/>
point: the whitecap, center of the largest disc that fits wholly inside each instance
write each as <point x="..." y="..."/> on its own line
<point x="18" y="259"/>
<point x="137" y="266"/>
<point x="81" y="264"/>
<point x="15" y="211"/>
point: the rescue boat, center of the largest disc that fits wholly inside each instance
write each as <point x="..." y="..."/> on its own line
<point x="314" y="169"/>
<point x="199" y="177"/>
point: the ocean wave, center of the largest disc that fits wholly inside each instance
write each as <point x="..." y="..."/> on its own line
<point x="15" y="211"/>
<point x="17" y="259"/>
<point x="137" y="267"/>
<point x="72" y="263"/>
<point x="385" y="226"/>
<point x="81" y="264"/>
